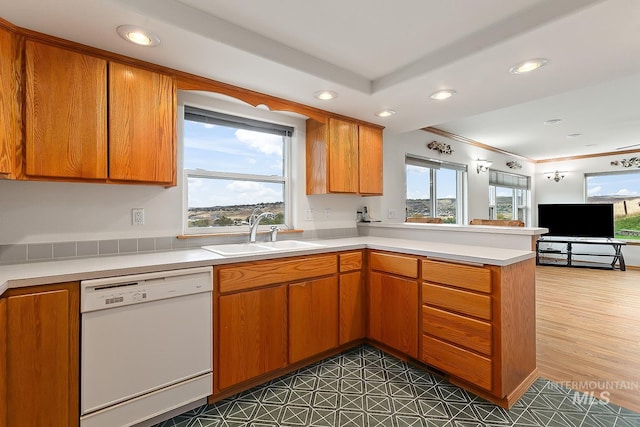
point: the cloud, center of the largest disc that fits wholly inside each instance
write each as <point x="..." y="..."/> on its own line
<point x="594" y="191"/>
<point x="263" y="142"/>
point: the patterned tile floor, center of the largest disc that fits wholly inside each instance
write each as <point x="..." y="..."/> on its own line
<point x="366" y="387"/>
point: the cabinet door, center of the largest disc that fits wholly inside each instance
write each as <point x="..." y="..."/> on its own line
<point x="141" y="125"/>
<point x="370" y="160"/>
<point x="343" y="156"/>
<point x="43" y="353"/>
<point x="352" y="307"/>
<point x="252" y="334"/>
<point x="313" y="317"/>
<point x="393" y="312"/>
<point x="8" y="103"/>
<point x="3" y="362"/>
<point x="65" y="113"/>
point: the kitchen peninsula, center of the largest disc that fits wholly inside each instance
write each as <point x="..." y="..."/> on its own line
<point x="467" y="311"/>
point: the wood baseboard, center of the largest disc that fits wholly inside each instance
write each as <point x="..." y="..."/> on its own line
<point x="505" y="402"/>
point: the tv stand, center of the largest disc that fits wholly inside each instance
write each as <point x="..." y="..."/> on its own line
<point x="566" y="256"/>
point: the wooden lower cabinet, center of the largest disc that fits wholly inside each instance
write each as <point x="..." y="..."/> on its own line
<point x="457" y="361"/>
<point x="352" y="307"/>
<point x="270" y="314"/>
<point x="313" y="317"/>
<point x="41" y="356"/>
<point x="253" y="334"/>
<point x="353" y="311"/>
<point x="478" y="326"/>
<point x="393" y="312"/>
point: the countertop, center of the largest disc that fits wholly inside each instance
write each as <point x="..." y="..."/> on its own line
<point x="459" y="228"/>
<point x="48" y="272"/>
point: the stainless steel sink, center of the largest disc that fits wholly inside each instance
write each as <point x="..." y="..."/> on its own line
<point x="262" y="247"/>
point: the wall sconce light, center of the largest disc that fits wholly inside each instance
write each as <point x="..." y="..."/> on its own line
<point x="514" y="164"/>
<point x="555" y="176"/>
<point x="483" y="165"/>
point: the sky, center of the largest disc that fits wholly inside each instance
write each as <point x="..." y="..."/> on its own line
<point x="224" y="149"/>
<point x="418" y="183"/>
<point x="627" y="184"/>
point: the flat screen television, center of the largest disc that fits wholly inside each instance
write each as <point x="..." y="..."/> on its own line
<point x="577" y="220"/>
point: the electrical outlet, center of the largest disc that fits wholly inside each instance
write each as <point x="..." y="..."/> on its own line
<point x="327" y="213"/>
<point x="392" y="214"/>
<point x="308" y="215"/>
<point x="137" y="216"/>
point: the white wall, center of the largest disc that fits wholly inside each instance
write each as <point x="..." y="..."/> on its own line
<point x="395" y="148"/>
<point x="34" y="211"/>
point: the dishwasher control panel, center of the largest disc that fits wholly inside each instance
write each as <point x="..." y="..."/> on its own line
<point x="111" y="292"/>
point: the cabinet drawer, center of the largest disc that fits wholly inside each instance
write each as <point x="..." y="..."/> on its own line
<point x="253" y="275"/>
<point x="459" y="275"/>
<point x="458" y="362"/>
<point x="471" y="333"/>
<point x="394" y="264"/>
<point x="350" y="261"/>
<point x="457" y="300"/>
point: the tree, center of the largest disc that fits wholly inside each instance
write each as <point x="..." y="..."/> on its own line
<point x="223" y="220"/>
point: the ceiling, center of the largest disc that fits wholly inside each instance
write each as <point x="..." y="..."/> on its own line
<point x="392" y="55"/>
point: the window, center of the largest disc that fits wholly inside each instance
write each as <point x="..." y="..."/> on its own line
<point x="508" y="196"/>
<point x="233" y="164"/>
<point x="434" y="189"/>
<point x="623" y="190"/>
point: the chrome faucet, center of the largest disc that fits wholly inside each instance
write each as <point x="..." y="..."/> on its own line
<point x="256" y="216"/>
<point x="274" y="232"/>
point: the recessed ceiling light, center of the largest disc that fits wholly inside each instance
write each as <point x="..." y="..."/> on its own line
<point x="528" y="66"/>
<point x="574" y="135"/>
<point x="138" y="35"/>
<point x="325" y="95"/>
<point x="442" y="94"/>
<point x="385" y="113"/>
<point x="552" y="121"/>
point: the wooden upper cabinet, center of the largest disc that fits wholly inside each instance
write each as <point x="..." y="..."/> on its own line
<point x="65" y="113"/>
<point x="9" y="104"/>
<point x="141" y="125"/>
<point x="343" y="157"/>
<point x="370" y="160"/>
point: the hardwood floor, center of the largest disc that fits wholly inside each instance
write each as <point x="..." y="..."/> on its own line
<point x="588" y="331"/>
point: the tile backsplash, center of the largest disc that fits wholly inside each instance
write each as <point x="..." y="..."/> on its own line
<point x="33" y="252"/>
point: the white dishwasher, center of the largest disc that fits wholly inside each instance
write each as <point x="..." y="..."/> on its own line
<point x="146" y="345"/>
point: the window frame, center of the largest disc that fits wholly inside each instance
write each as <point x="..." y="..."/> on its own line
<point x="285" y="179"/>
<point x="434" y="165"/>
<point x="609" y="173"/>
<point x="517" y="208"/>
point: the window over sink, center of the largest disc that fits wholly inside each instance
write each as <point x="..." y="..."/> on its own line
<point x="233" y="164"/>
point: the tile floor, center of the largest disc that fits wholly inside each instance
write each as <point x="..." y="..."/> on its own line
<point x="366" y="387"/>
